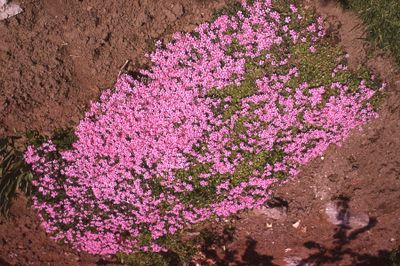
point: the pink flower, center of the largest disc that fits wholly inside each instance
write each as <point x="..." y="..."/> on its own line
<point x="147" y="146"/>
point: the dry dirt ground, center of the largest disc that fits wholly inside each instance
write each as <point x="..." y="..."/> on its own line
<point x="58" y="55"/>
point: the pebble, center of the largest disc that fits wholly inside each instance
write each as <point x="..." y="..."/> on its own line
<point x="332" y="212"/>
<point x="8" y="10"/>
<point x="293" y="261"/>
<point x="359" y="221"/>
<point x="355" y="221"/>
<point x="296" y="224"/>
<point x="304" y="229"/>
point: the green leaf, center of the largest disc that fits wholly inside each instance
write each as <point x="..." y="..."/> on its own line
<point x="14" y="174"/>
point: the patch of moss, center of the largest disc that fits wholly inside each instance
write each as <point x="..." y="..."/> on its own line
<point x="315" y="68"/>
<point x="179" y="252"/>
<point x="229" y="10"/>
<point x="143" y="259"/>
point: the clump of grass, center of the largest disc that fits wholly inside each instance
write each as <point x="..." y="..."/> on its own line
<point x="382" y="20"/>
<point x="180" y="250"/>
<point x="230" y="10"/>
<point x="145" y="259"/>
<point x="395" y="257"/>
<point x="14" y="174"/>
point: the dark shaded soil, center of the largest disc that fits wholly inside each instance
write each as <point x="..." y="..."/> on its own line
<point x="56" y="57"/>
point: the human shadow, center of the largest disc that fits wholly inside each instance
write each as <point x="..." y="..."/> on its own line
<point x="230" y="257"/>
<point x="339" y="251"/>
<point x="342" y="237"/>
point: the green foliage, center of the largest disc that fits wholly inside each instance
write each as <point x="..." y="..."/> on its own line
<point x="382" y="19"/>
<point x="63" y="138"/>
<point x="179" y="252"/>
<point x="143" y="259"/>
<point x="14" y="174"/>
<point x="229" y="10"/>
<point x="316" y="68"/>
<point x="394" y="257"/>
<point x="35" y="138"/>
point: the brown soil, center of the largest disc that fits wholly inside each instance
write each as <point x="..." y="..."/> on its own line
<point x="57" y="55"/>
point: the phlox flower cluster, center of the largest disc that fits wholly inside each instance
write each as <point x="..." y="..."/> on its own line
<point x="221" y="115"/>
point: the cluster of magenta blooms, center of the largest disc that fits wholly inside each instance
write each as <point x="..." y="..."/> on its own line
<point x="148" y="145"/>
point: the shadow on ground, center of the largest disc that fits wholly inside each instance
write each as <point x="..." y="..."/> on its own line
<point x="338" y="252"/>
<point x="342" y="237"/>
<point x="249" y="257"/>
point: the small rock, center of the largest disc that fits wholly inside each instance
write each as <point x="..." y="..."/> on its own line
<point x="359" y="221"/>
<point x="272" y="213"/>
<point x="294" y="261"/>
<point x="355" y="221"/>
<point x="332" y="213"/>
<point x="296" y="224"/>
<point x="8" y="10"/>
<point x="269" y="225"/>
<point x="192" y="234"/>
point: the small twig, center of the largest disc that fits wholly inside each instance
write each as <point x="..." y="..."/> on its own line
<point x="123" y="68"/>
